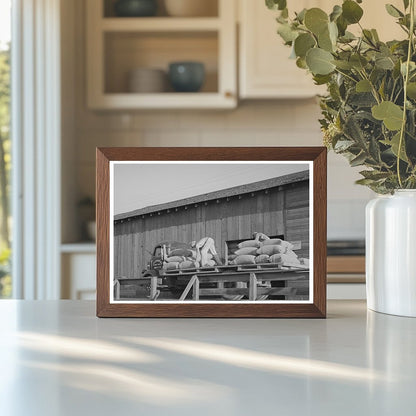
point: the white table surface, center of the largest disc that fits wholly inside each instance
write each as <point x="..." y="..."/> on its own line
<point x="57" y="358"/>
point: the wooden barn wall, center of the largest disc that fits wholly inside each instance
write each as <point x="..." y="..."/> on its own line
<point x="282" y="210"/>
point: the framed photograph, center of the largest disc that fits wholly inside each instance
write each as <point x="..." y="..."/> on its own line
<point x="211" y="232"/>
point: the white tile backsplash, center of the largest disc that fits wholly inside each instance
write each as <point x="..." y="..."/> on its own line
<point x="346" y="219"/>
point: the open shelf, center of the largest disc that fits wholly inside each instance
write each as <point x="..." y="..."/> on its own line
<point x="210" y="7"/>
<point x="119" y="45"/>
<point x="126" y="51"/>
<point x="81" y="247"/>
<point x="167" y="100"/>
<point x="160" y="24"/>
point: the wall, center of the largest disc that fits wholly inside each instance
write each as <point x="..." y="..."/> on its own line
<point x="282" y="211"/>
<point x="254" y="123"/>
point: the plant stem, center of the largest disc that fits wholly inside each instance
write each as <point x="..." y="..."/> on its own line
<point x="406" y="80"/>
<point x="346" y="75"/>
<point x="373" y="88"/>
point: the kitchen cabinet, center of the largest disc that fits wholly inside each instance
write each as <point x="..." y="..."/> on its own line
<point x="118" y="45"/>
<point x="78" y="263"/>
<point x="265" y="68"/>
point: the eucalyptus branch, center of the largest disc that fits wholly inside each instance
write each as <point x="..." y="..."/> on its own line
<point x="392" y="91"/>
<point x="346" y="75"/>
<point x="373" y="88"/>
<point x="406" y="80"/>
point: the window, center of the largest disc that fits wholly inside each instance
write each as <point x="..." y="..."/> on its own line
<point x="5" y="145"/>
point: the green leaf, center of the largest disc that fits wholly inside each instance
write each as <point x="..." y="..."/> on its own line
<point x="301" y="63"/>
<point x="412" y="67"/>
<point x="388" y="112"/>
<point x="406" y="4"/>
<point x="336" y="12"/>
<point x="301" y="15"/>
<point x="333" y="32"/>
<point x="384" y="62"/>
<point x="362" y="99"/>
<point x="365" y="182"/>
<point x="375" y="35"/>
<point x="287" y="33"/>
<point x="347" y="37"/>
<point x="358" y="160"/>
<point x="321" y="79"/>
<point x="342" y="25"/>
<point x="325" y="42"/>
<point x="344" y="65"/>
<point x="303" y="43"/>
<point x="374" y="174"/>
<point x="276" y="4"/>
<point x="368" y="36"/>
<point x="393" y="11"/>
<point x="316" y="20"/>
<point x="358" y="61"/>
<point x="319" y="61"/>
<point x="363" y="86"/>
<point x="343" y="145"/>
<point x="351" y="11"/>
<point x="354" y="132"/>
<point x="411" y="90"/>
<point x="394" y="145"/>
<point x="374" y="151"/>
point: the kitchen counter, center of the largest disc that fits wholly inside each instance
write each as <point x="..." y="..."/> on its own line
<point x="57" y="358"/>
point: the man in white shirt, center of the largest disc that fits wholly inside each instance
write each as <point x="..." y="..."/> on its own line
<point x="204" y="247"/>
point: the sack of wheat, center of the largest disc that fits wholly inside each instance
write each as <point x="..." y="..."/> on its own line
<point x="262" y="258"/>
<point x="249" y="243"/>
<point x="245" y="259"/>
<point x="278" y="241"/>
<point x="188" y="264"/>
<point x="270" y="250"/>
<point x="175" y="259"/>
<point x="246" y="251"/>
<point x="171" y="266"/>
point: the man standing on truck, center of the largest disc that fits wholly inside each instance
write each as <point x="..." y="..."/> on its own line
<point x="260" y="237"/>
<point x="204" y="247"/>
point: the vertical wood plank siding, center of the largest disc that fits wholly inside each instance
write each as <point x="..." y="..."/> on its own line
<point x="279" y="210"/>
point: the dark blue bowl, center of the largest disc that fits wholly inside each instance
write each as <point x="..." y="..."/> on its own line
<point x="187" y="76"/>
<point x="135" y="8"/>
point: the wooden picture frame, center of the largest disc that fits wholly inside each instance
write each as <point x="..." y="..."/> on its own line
<point x="108" y="301"/>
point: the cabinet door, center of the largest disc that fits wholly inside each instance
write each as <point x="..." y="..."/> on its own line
<point x="78" y="276"/>
<point x="265" y="68"/>
<point x="376" y="17"/>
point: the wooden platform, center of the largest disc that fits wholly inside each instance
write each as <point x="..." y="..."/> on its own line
<point x="252" y="281"/>
<point x="233" y="267"/>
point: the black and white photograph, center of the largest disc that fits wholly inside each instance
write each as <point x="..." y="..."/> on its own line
<point x="211" y="232"/>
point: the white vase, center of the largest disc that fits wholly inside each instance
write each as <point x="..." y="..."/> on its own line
<point x="391" y="253"/>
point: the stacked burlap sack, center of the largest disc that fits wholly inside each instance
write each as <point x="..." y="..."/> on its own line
<point x="183" y="258"/>
<point x="273" y="250"/>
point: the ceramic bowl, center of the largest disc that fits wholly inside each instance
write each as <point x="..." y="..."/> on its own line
<point x="186" y="76"/>
<point x="135" y="8"/>
<point x="147" y="80"/>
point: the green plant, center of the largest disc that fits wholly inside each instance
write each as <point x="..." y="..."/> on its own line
<point x="369" y="113"/>
<point x="5" y="278"/>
